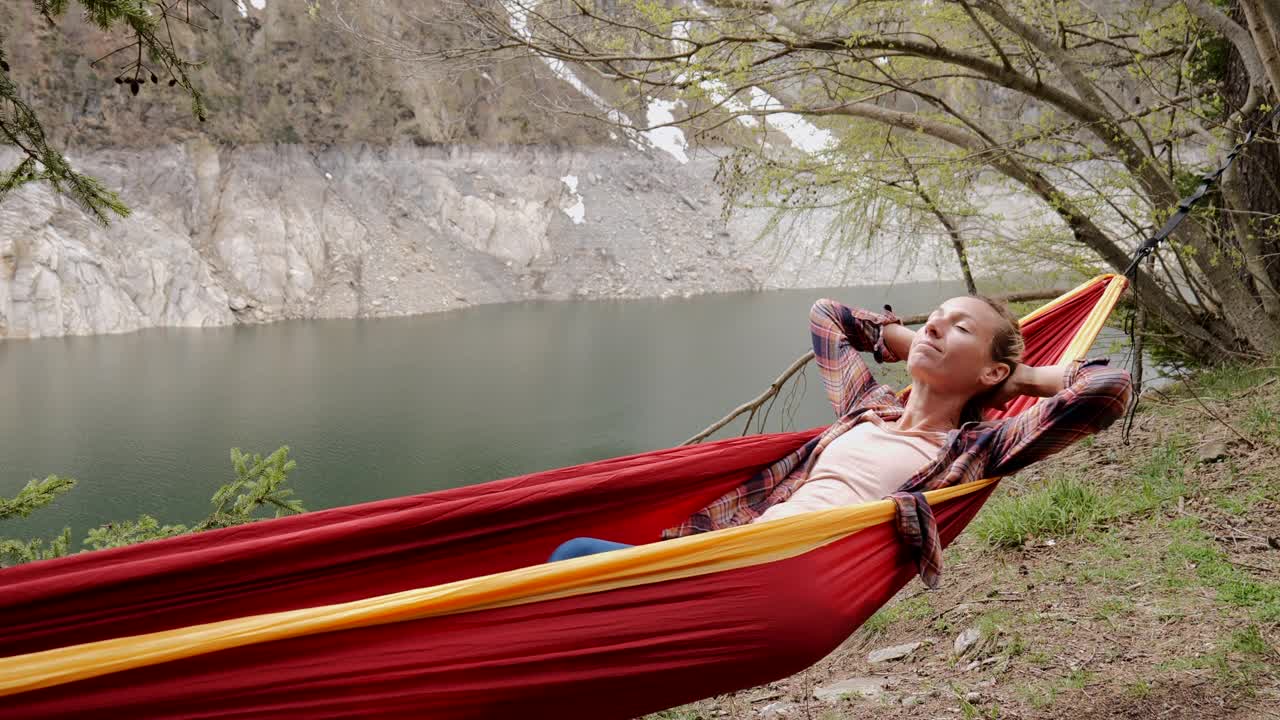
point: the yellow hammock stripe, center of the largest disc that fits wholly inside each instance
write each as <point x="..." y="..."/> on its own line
<point x="691" y="556"/>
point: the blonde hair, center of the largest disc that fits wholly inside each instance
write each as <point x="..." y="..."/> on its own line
<point x="1007" y="345"/>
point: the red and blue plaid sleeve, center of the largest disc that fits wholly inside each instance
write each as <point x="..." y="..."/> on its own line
<point x="839" y="333"/>
<point x="1093" y="396"/>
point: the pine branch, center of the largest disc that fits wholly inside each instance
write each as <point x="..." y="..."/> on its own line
<point x="15" y="552"/>
<point x="259" y="483"/>
<point x="35" y="495"/>
<point x="131" y="532"/>
<point x="20" y="127"/>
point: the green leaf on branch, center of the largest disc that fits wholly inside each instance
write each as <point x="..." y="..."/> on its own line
<point x="149" y="25"/>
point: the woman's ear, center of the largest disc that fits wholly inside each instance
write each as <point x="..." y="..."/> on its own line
<point x="995" y="373"/>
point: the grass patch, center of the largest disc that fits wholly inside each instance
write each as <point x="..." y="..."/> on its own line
<point x="1193" y="558"/>
<point x="1113" y="607"/>
<point x="1249" y="641"/>
<point x="1262" y="421"/>
<point x="912" y="609"/>
<point x="994" y="638"/>
<point x="1227" y="381"/>
<point x="1240" y="661"/>
<point x="1079" y="679"/>
<point x="1234" y="504"/>
<point x="1061" y="507"/>
<point x="1044" y="694"/>
<point x="1138" y="690"/>
<point x="1066" y="505"/>
<point x="1038" y="696"/>
<point x="990" y="623"/>
<point x="1248" y="491"/>
<point x="1160" y="479"/>
<point x="1040" y="658"/>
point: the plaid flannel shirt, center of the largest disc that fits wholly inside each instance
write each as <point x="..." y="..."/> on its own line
<point x="1094" y="395"/>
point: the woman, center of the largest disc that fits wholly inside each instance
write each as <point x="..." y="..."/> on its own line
<point x="966" y="357"/>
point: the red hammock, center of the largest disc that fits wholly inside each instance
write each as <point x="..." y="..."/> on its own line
<point x="612" y="654"/>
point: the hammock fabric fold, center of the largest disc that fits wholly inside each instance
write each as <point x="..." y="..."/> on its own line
<point x="439" y="605"/>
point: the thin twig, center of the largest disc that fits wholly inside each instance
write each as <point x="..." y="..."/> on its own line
<point x="1241" y="563"/>
<point x="1220" y="526"/>
<point x="754" y="404"/>
<point x="1211" y="414"/>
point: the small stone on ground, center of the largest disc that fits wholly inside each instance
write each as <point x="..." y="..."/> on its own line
<point x="870" y="687"/>
<point x="966" y="640"/>
<point x="894" y="652"/>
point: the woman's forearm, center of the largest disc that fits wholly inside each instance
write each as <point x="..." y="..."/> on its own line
<point x="1043" y="381"/>
<point x="897" y="338"/>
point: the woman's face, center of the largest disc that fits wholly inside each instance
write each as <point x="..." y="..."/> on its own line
<point x="952" y="351"/>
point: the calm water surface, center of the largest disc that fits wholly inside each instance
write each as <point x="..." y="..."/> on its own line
<point x="380" y="408"/>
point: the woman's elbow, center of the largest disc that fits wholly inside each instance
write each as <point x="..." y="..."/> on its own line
<point x="1113" y="388"/>
<point x="821" y="310"/>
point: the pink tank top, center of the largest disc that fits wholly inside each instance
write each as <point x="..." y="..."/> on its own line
<point x="870" y="460"/>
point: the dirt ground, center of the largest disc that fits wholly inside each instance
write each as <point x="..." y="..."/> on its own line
<point x="1115" y="580"/>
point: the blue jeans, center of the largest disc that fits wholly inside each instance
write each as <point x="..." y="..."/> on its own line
<point x="581" y="546"/>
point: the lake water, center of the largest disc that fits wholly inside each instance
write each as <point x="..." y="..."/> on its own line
<point x="381" y="408"/>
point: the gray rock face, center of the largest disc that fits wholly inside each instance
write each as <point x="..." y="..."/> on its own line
<point x="62" y="274"/>
<point x="257" y="233"/>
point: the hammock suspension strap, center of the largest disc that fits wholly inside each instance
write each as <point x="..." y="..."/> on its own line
<point x="1187" y="203"/>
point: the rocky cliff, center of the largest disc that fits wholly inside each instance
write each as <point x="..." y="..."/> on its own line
<point x="328" y="183"/>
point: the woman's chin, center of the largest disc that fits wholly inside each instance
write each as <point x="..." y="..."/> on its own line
<point x="921" y="373"/>
<point x="924" y="360"/>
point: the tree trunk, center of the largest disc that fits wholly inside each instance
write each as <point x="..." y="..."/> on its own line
<point x="1243" y="309"/>
<point x="1266" y="44"/>
<point x="1259" y="168"/>
<point x="1253" y="182"/>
